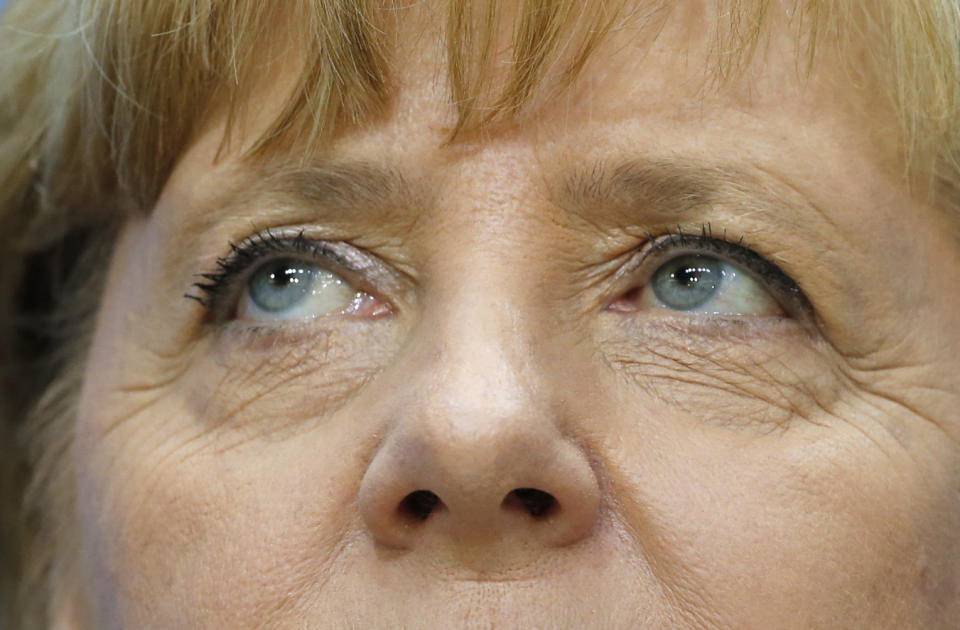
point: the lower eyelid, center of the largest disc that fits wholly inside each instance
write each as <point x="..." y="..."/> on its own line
<point x="220" y="288"/>
<point x="641" y="296"/>
<point x="326" y="293"/>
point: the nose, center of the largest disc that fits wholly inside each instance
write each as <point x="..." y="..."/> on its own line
<point x="477" y="457"/>
<point x="503" y="483"/>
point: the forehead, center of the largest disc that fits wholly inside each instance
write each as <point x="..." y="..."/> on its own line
<point x="647" y="99"/>
<point x="494" y="77"/>
<point x="307" y="73"/>
<point x="645" y="113"/>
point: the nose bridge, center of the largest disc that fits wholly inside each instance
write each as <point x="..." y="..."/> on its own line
<point x="480" y="339"/>
<point x="474" y="451"/>
<point x="484" y="361"/>
<point x="477" y="421"/>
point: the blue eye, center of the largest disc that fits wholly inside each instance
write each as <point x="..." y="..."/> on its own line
<point x="287" y="288"/>
<point x="689" y="282"/>
<point x="270" y="277"/>
<point x="704" y="275"/>
<point x="700" y="283"/>
<point x="281" y="284"/>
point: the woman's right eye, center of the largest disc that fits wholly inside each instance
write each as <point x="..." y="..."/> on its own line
<point x="270" y="277"/>
<point x="292" y="289"/>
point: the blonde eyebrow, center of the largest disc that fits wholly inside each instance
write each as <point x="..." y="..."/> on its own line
<point x="620" y="191"/>
<point x="271" y="192"/>
<point x="651" y="183"/>
<point x="654" y="184"/>
<point x="338" y="185"/>
<point x="664" y="190"/>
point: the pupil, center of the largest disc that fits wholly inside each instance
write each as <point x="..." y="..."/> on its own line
<point x="281" y="285"/>
<point x="689" y="276"/>
<point x="283" y="276"/>
<point x="688" y="282"/>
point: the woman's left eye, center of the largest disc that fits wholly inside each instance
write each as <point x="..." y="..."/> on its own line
<point x="291" y="289"/>
<point x="705" y="284"/>
<point x="692" y="281"/>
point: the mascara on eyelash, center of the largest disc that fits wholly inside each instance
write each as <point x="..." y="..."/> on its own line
<point x="250" y="252"/>
<point x="737" y="251"/>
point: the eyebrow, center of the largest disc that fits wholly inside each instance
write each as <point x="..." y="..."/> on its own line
<point x="664" y="190"/>
<point x="341" y="188"/>
<point x="627" y="191"/>
<point x="340" y="185"/>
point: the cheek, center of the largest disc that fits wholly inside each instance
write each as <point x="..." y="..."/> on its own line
<point x="765" y="529"/>
<point x="196" y="507"/>
<point x="265" y="385"/>
<point x="755" y="485"/>
<point x="198" y="526"/>
<point x="225" y="494"/>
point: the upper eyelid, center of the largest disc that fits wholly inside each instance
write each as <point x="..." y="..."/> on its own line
<point x="220" y="288"/>
<point x="253" y="248"/>
<point x="662" y="248"/>
<point x="315" y="258"/>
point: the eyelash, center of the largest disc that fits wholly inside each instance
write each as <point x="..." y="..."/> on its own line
<point x="659" y="249"/>
<point x="218" y="288"/>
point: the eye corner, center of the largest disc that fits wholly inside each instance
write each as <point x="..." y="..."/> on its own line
<point x="623" y="303"/>
<point x="281" y="278"/>
<point x="210" y="292"/>
<point x="703" y="275"/>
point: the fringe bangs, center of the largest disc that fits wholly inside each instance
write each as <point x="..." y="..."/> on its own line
<point x="115" y="89"/>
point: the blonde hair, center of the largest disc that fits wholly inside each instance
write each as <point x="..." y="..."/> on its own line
<point x="100" y="97"/>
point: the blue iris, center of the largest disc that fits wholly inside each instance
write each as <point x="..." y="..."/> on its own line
<point x="282" y="284"/>
<point x="688" y="282"/>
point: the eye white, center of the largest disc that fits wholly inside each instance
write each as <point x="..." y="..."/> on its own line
<point x="291" y="289"/>
<point x="706" y="284"/>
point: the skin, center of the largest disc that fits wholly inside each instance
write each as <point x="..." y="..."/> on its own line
<point x="789" y="469"/>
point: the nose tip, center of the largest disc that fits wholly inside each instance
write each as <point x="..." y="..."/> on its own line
<point x="478" y="495"/>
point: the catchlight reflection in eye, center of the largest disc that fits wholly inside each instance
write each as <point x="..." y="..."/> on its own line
<point x="289" y="289"/>
<point x="686" y="283"/>
<point x="701" y="284"/>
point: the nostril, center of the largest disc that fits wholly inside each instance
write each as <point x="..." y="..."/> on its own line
<point x="419" y="504"/>
<point x="536" y="503"/>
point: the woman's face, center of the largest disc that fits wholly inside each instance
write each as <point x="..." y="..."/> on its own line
<point x="644" y="358"/>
